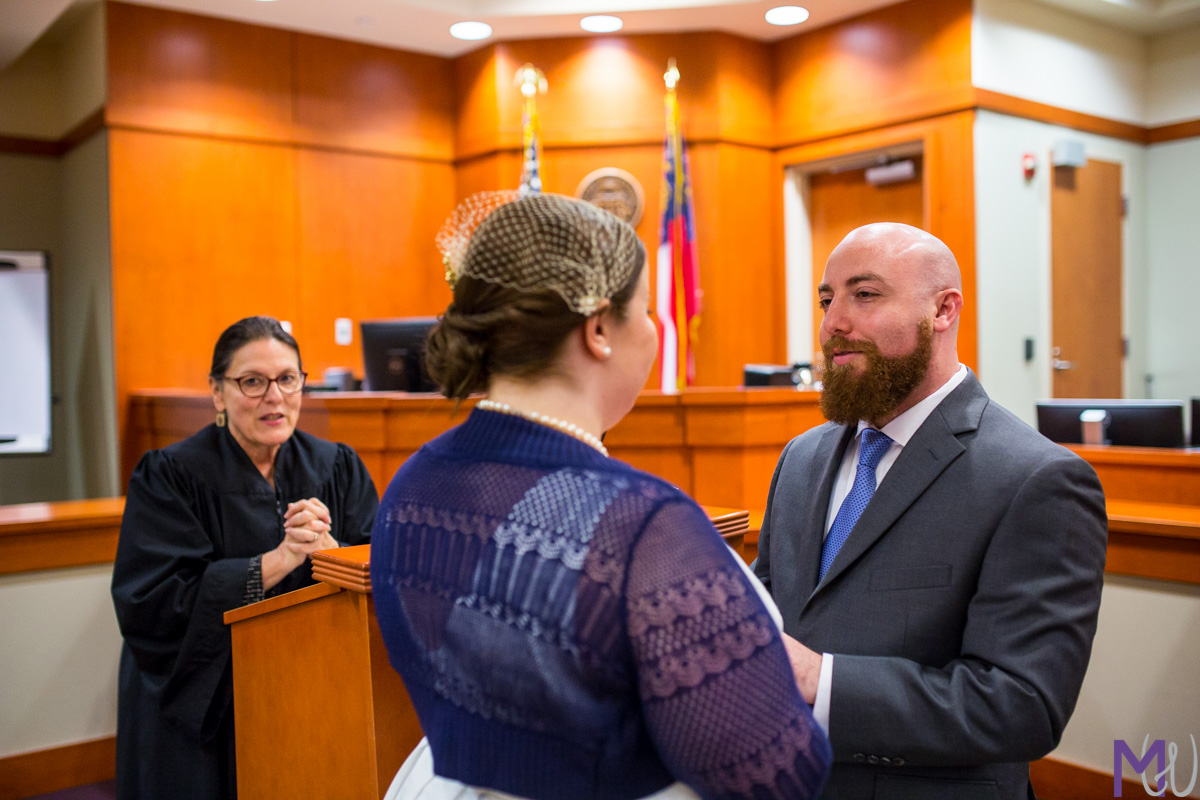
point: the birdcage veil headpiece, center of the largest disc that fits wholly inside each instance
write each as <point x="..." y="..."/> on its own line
<point x="541" y="241"/>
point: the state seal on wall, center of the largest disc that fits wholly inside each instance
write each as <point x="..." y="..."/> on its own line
<point x="616" y="191"/>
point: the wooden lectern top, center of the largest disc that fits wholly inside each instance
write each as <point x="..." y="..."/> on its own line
<point x="350" y="567"/>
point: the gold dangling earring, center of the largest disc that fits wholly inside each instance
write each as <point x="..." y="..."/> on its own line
<point x="222" y="418"/>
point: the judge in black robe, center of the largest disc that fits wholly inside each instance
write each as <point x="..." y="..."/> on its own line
<point x="199" y="515"/>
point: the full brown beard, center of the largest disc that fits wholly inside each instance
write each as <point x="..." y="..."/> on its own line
<point x="885" y="382"/>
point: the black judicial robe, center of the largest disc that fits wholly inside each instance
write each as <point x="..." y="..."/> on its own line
<point x="195" y="514"/>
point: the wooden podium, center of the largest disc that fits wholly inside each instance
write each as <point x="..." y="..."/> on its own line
<point x="319" y="711"/>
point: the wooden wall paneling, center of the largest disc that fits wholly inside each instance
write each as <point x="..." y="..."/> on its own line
<point x="609" y="90"/>
<point x="947" y="144"/>
<point x="354" y="420"/>
<point x="736" y="438"/>
<point x="898" y="63"/>
<point x="652" y="437"/>
<point x="362" y="97"/>
<point x="743" y="316"/>
<point x="477" y="109"/>
<point x="188" y="73"/>
<point x="745" y="88"/>
<point x="202" y="235"/>
<point x="367" y="225"/>
<point x="485" y="173"/>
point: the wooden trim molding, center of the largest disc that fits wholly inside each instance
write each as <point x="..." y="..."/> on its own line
<point x="39" y="536"/>
<point x="1088" y="123"/>
<point x="1060" y="780"/>
<point x="55" y="147"/>
<point x="56" y="768"/>
<point x="1042" y="112"/>
<point x="1179" y="130"/>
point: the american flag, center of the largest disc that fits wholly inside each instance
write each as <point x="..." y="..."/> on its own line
<point x="678" y="302"/>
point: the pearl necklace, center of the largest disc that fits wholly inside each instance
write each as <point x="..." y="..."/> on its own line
<point x="569" y="428"/>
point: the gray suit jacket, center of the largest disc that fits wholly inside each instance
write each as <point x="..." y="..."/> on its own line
<point x="961" y="609"/>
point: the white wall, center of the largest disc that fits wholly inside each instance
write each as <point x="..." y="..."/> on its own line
<point x="1173" y="91"/>
<point x="1013" y="256"/>
<point x="1142" y="677"/>
<point x="59" y="658"/>
<point x="1030" y="50"/>
<point x="1173" y="200"/>
<point x="61" y="205"/>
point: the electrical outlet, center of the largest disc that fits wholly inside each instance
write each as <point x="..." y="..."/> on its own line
<point x="343" y="331"/>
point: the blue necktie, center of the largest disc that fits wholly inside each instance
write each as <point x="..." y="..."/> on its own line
<point x="874" y="445"/>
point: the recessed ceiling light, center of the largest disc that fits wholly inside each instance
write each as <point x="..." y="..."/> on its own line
<point x="471" y="31"/>
<point x="787" y="15"/>
<point x="601" y="23"/>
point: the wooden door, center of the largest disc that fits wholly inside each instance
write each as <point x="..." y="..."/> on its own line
<point x="842" y="201"/>
<point x="1086" y="215"/>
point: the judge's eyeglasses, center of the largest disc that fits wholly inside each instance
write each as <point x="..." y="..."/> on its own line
<point x="254" y="385"/>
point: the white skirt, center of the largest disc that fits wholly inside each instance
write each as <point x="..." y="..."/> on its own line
<point x="416" y="781"/>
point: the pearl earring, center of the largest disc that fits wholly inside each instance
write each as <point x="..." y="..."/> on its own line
<point x="607" y="352"/>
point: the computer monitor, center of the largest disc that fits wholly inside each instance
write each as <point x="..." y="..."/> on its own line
<point x="1133" y="423"/>
<point x="394" y="354"/>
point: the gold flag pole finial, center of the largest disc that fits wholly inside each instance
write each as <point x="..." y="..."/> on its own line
<point x="672" y="74"/>
<point x="531" y="80"/>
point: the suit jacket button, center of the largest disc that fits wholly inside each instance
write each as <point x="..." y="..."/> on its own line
<point x="897" y="762"/>
<point x="859" y="757"/>
<point x="872" y="759"/>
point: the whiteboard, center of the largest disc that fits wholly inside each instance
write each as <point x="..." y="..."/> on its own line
<point x="24" y="352"/>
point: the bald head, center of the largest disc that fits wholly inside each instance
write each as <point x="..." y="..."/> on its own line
<point x="884" y="285"/>
<point x="919" y="259"/>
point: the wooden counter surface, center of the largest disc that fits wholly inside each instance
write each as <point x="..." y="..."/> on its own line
<point x="38" y="536"/>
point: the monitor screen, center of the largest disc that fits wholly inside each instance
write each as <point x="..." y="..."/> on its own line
<point x="394" y="354"/>
<point x="1133" y="423"/>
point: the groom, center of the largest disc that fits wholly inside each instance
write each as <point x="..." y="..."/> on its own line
<point x="938" y="562"/>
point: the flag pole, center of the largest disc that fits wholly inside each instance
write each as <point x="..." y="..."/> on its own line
<point x="532" y="82"/>
<point x="671" y="78"/>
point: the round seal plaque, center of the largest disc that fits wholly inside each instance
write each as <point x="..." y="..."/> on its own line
<point x="616" y="191"/>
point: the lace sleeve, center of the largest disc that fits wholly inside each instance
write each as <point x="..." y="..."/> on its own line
<point x="717" y="691"/>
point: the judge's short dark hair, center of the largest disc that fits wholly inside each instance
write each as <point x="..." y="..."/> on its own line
<point x="242" y="333"/>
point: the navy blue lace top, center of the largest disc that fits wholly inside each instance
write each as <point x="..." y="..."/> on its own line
<point x="570" y="627"/>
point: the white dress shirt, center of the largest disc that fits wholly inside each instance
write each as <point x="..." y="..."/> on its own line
<point x="900" y="431"/>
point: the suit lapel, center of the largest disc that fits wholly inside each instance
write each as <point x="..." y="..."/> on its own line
<point x="931" y="450"/>
<point x="824" y="468"/>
